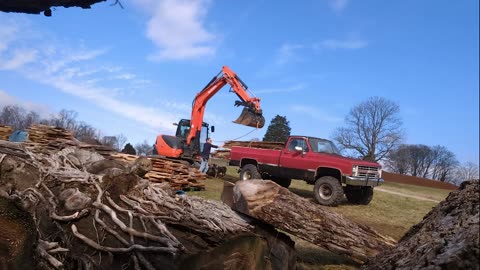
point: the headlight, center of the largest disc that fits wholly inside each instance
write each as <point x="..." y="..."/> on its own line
<point x="354" y="170"/>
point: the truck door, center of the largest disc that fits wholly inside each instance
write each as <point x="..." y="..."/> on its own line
<point x="292" y="162"/>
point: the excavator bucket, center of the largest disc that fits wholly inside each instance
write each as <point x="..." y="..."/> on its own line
<point x="250" y="118"/>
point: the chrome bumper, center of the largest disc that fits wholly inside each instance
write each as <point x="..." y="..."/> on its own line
<point x="360" y="181"/>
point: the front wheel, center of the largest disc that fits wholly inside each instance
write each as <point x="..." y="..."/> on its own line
<point x="360" y="195"/>
<point x="249" y="171"/>
<point x="328" y="191"/>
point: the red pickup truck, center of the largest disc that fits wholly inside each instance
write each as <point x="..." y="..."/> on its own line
<point x="315" y="160"/>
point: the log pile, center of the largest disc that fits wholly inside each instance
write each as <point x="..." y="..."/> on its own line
<point x="5" y="131"/>
<point x="179" y="175"/>
<point x="447" y="238"/>
<point x="77" y="210"/>
<point x="264" y="145"/>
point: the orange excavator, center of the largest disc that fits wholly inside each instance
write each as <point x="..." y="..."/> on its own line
<point x="191" y="134"/>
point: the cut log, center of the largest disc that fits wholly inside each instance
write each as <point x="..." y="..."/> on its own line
<point x="275" y="205"/>
<point x="447" y="238"/>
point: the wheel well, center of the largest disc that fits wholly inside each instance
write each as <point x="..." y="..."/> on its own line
<point x="246" y="161"/>
<point x="324" y="171"/>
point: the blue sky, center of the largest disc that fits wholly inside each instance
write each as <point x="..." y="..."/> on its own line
<point x="136" y="70"/>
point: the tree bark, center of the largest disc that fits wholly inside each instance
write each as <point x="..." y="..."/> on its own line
<point x="447" y="238"/>
<point x="275" y="205"/>
<point x="112" y="219"/>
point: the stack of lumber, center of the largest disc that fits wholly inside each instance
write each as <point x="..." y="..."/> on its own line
<point x="47" y="139"/>
<point x="264" y="145"/>
<point x="221" y="153"/>
<point x="178" y="174"/>
<point x="43" y="134"/>
<point x="5" y="131"/>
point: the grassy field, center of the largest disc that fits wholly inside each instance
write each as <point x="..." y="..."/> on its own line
<point x="389" y="214"/>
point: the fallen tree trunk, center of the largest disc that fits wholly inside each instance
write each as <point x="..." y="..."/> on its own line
<point x="61" y="215"/>
<point x="273" y="204"/>
<point x="447" y="238"/>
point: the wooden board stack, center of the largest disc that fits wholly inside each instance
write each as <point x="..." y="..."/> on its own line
<point x="221" y="153"/>
<point x="179" y="175"/>
<point x="5" y="131"/>
<point x="46" y="139"/>
<point x="264" y="145"/>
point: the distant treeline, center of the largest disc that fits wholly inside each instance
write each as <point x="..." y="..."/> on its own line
<point x="21" y="119"/>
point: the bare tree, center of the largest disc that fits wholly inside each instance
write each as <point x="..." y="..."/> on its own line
<point x="444" y="163"/>
<point x="86" y="133"/>
<point x="65" y="119"/>
<point x="373" y="128"/>
<point x="30" y="119"/>
<point x="398" y="160"/>
<point x="467" y="171"/>
<point x="421" y="158"/>
<point x="12" y="115"/>
<point x="144" y="148"/>
<point x="116" y="142"/>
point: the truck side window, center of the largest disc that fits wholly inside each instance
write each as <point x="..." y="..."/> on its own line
<point x="293" y="143"/>
<point x="298" y="142"/>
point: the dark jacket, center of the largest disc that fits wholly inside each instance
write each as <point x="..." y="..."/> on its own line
<point x="206" y="150"/>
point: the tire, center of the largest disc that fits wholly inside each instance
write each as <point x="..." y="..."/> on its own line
<point x="361" y="195"/>
<point x="249" y="171"/>
<point x="282" y="181"/>
<point x="328" y="191"/>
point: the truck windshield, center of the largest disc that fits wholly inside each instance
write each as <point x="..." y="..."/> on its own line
<point x="323" y="146"/>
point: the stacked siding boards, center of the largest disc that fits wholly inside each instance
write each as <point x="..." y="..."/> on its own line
<point x="179" y="175"/>
<point x="263" y="145"/>
<point x="225" y="152"/>
<point x="47" y="140"/>
<point x="5" y="131"/>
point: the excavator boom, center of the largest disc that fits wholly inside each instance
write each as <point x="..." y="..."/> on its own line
<point x="186" y="143"/>
<point x="251" y="115"/>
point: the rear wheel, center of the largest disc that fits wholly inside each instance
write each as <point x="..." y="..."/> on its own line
<point x="359" y="195"/>
<point x="328" y="191"/>
<point x="249" y="171"/>
<point x="282" y="181"/>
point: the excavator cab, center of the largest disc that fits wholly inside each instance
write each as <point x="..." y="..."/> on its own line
<point x="177" y="147"/>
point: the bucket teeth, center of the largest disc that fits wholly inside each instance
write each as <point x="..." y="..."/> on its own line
<point x="250" y="118"/>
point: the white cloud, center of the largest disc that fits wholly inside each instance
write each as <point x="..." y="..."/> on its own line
<point x="288" y="52"/>
<point x="178" y="29"/>
<point x="338" y="5"/>
<point x="315" y="113"/>
<point x="19" y="58"/>
<point x="6" y="99"/>
<point x="344" y="44"/>
<point x="69" y="69"/>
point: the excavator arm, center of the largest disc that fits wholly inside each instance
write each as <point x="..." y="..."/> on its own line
<point x="251" y="115"/>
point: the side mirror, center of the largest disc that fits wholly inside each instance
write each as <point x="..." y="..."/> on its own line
<point x="298" y="149"/>
<point x="212" y="128"/>
<point x="175" y="124"/>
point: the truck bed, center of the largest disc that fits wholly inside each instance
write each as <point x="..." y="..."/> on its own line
<point x="264" y="156"/>
<point x="262" y="145"/>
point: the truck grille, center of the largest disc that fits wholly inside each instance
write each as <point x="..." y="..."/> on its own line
<point x="368" y="172"/>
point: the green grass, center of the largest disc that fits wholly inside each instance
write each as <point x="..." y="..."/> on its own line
<point x="427" y="192"/>
<point x="389" y="214"/>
